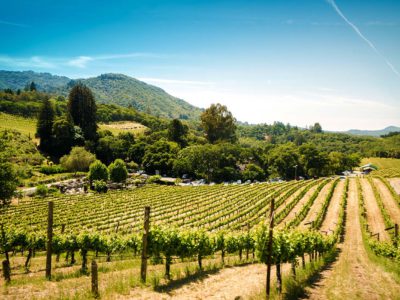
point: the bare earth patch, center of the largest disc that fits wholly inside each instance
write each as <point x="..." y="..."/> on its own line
<point x="395" y="183"/>
<point x="374" y="215"/>
<point x="353" y="276"/>
<point x="297" y="208"/>
<point x="388" y="201"/>
<point x="332" y="214"/>
<point x="316" y="207"/>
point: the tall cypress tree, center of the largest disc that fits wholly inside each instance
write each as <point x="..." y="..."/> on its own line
<point x="82" y="107"/>
<point x="45" y="125"/>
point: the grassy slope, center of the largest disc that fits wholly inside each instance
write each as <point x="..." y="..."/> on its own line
<point x="21" y="124"/>
<point x="388" y="167"/>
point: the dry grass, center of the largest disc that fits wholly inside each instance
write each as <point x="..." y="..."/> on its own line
<point x="118" y="127"/>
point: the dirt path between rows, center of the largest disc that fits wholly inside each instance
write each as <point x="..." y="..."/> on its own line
<point x="228" y="283"/>
<point x="395" y="183"/>
<point x="352" y="275"/>
<point x="374" y="216"/>
<point x="389" y="202"/>
<point x="316" y="206"/>
<point x="329" y="223"/>
<point x="297" y="208"/>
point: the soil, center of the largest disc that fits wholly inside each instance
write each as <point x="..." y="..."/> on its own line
<point x="329" y="223"/>
<point x="316" y="207"/>
<point x="297" y="208"/>
<point x="352" y="275"/>
<point x="395" y="182"/>
<point x="228" y="283"/>
<point x="374" y="216"/>
<point x="389" y="202"/>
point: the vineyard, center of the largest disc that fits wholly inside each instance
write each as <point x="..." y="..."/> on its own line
<point x="193" y="230"/>
<point x="387" y="167"/>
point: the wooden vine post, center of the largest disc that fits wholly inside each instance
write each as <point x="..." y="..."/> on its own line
<point x="6" y="271"/>
<point x="62" y="232"/>
<point x="95" y="280"/>
<point x="269" y="247"/>
<point x="396" y="234"/>
<point x="143" y="268"/>
<point x="49" y="239"/>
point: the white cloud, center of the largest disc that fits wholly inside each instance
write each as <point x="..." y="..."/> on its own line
<point x="31" y="62"/>
<point x="80" y="62"/>
<point x="174" y="81"/>
<point x="13" y="24"/>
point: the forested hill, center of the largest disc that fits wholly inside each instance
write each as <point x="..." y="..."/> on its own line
<point x="110" y="89"/>
<point x="387" y="130"/>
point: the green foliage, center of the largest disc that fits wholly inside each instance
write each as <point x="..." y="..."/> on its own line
<point x="160" y="156"/>
<point x="42" y="190"/>
<point x="98" y="171"/>
<point x="100" y="186"/>
<point x="78" y="160"/>
<point x="65" y="136"/>
<point x="154" y="179"/>
<point x="109" y="88"/>
<point x="52" y="169"/>
<point x="253" y="172"/>
<point x="177" y="132"/>
<point x="218" y="124"/>
<point x="213" y="162"/>
<point x="118" y="171"/>
<point x="45" y="125"/>
<point x="82" y="107"/>
<point x="8" y="182"/>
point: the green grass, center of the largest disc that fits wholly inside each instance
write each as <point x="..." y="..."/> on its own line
<point x="24" y="125"/>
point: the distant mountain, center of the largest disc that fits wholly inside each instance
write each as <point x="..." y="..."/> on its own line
<point x="373" y="132"/>
<point x="108" y="88"/>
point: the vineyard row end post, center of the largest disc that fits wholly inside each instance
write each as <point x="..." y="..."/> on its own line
<point x="95" y="280"/>
<point x="49" y="239"/>
<point x="269" y="249"/>
<point x="143" y="269"/>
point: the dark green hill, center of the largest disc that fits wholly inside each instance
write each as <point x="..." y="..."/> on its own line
<point x="110" y="89"/>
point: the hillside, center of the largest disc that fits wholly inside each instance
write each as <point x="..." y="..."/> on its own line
<point x="110" y="89"/>
<point x="373" y="132"/>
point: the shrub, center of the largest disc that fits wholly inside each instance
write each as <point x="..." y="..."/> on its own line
<point x="78" y="160"/>
<point x="98" y="171"/>
<point x="253" y="172"/>
<point x="118" y="171"/>
<point x="42" y="190"/>
<point x="55" y="169"/>
<point x="154" y="179"/>
<point x="100" y="186"/>
<point x="132" y="165"/>
<point x="8" y="182"/>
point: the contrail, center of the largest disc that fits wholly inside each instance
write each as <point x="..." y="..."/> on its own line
<point x="359" y="33"/>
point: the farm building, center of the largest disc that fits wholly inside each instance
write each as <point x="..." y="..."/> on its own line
<point x="368" y="168"/>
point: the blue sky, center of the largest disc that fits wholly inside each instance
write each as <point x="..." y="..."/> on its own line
<point x="295" y="61"/>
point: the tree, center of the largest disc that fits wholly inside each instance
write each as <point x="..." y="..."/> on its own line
<point x="177" y="132"/>
<point x="314" y="162"/>
<point x="253" y="172"/>
<point x="98" y="171"/>
<point x="118" y="171"/>
<point x="45" y="122"/>
<point x="160" y="156"/>
<point x="218" y="124"/>
<point x="32" y="86"/>
<point x="78" y="160"/>
<point x="63" y="135"/>
<point x="282" y="159"/>
<point x="317" y="128"/>
<point x="8" y="182"/>
<point x="82" y="107"/>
